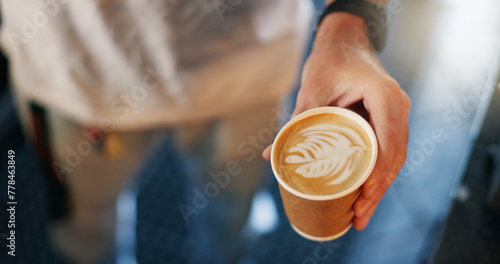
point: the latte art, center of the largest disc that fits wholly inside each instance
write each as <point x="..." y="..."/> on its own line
<point x="327" y="151"/>
<point x="324" y="154"/>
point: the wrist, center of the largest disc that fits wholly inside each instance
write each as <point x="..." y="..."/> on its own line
<point x="342" y="27"/>
<point x="347" y="21"/>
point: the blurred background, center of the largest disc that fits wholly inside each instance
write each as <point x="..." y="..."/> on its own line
<point x="444" y="207"/>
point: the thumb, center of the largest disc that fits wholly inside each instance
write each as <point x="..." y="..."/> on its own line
<point x="305" y="101"/>
<point x="266" y="154"/>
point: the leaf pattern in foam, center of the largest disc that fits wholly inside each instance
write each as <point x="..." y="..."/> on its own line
<point x="326" y="151"/>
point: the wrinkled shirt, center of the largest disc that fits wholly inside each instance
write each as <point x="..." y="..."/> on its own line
<point x="147" y="63"/>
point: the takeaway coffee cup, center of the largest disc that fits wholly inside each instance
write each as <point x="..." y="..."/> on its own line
<point x="320" y="159"/>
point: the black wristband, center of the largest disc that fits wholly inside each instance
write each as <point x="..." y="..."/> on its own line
<point x="369" y="11"/>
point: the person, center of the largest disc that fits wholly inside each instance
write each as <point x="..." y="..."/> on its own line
<point x="98" y="84"/>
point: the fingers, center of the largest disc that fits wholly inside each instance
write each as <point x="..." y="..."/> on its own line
<point x="384" y="109"/>
<point x="360" y="223"/>
<point x="363" y="207"/>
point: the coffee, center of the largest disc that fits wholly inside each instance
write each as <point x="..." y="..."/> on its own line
<point x="323" y="154"/>
<point x="321" y="158"/>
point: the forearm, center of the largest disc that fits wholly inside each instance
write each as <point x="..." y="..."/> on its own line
<point x="338" y="28"/>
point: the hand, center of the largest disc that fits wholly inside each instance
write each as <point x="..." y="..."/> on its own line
<point x="343" y="71"/>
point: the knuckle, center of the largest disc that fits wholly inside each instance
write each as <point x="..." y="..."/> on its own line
<point x="392" y="85"/>
<point x="405" y="99"/>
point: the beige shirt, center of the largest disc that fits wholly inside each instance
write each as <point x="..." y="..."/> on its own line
<point x="147" y="63"/>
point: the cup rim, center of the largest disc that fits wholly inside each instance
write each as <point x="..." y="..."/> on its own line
<point x="333" y="110"/>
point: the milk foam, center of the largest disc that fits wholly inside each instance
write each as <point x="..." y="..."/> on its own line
<point x="326" y="151"/>
<point x="323" y="154"/>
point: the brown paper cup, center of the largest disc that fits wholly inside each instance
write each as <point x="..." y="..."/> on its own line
<point x="323" y="217"/>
